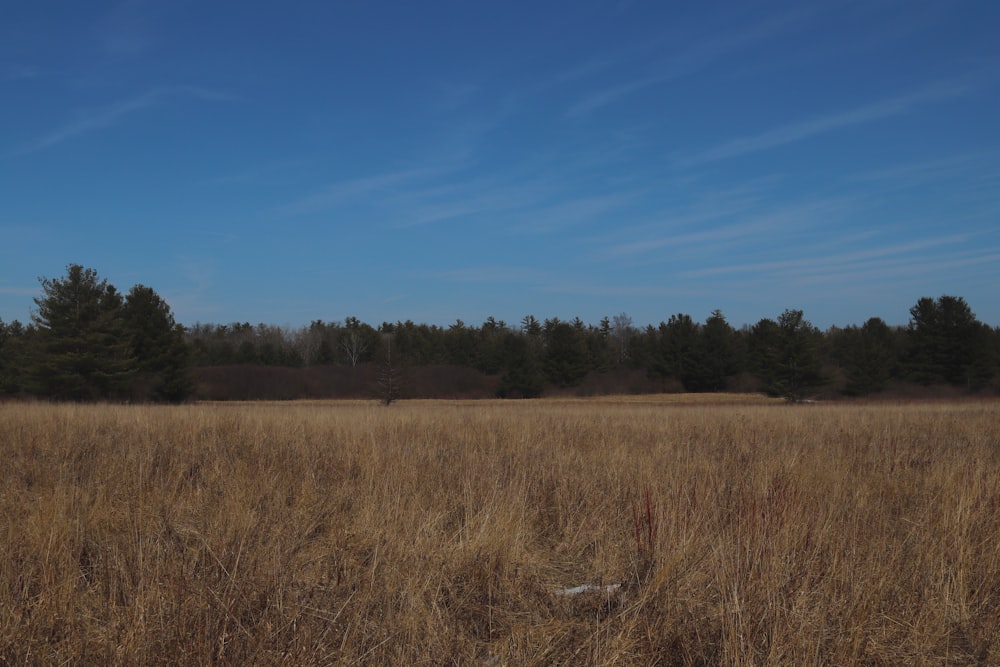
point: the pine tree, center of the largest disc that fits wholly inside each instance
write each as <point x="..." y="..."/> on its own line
<point x="13" y="352"/>
<point x="566" y="354"/>
<point x="83" y="351"/>
<point x="870" y="357"/>
<point x="675" y="354"/>
<point x="714" y="355"/>
<point x="390" y="376"/>
<point x="786" y="356"/>
<point x="522" y="377"/>
<point x="947" y="343"/>
<point x="157" y="344"/>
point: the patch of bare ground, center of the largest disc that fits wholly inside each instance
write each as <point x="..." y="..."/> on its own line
<point x="635" y="530"/>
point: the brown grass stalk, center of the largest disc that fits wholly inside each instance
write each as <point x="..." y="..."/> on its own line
<point x="331" y="533"/>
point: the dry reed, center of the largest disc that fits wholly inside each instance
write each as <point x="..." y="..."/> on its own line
<point x="439" y="532"/>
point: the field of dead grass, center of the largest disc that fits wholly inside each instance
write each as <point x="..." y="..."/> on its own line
<point x="729" y="532"/>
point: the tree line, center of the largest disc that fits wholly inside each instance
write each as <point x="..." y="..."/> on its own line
<point x="87" y="341"/>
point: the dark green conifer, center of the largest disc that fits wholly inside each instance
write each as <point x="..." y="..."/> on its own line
<point x="83" y="351"/>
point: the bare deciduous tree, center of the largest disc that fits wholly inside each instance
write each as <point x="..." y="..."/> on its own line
<point x="623" y="332"/>
<point x="354" y="345"/>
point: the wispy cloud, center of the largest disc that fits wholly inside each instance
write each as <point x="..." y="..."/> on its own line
<point x="793" y="132"/>
<point x="502" y="275"/>
<point x="914" y="174"/>
<point x="881" y="271"/>
<point x="750" y="225"/>
<point x="127" y="29"/>
<point x="610" y="95"/>
<point x="417" y="196"/>
<point x="394" y="298"/>
<point x="19" y="291"/>
<point x="823" y="264"/>
<point x="449" y="97"/>
<point x="108" y="116"/>
<point x="18" y="72"/>
<point x="258" y="173"/>
<point x="583" y="70"/>
<point x="658" y="240"/>
<point x="343" y="192"/>
<point x="621" y="291"/>
<point x="424" y="212"/>
<point x="572" y="212"/>
<point x="191" y="297"/>
<point x="698" y="57"/>
<point x="414" y="185"/>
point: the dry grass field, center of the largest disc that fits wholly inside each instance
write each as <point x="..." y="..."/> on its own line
<point x="739" y="532"/>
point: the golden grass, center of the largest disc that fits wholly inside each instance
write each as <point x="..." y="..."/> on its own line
<point x="439" y="533"/>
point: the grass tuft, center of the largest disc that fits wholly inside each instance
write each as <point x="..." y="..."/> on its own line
<point x="742" y="533"/>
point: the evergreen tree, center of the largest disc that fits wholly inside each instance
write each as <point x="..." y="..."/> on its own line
<point x="83" y="350"/>
<point x="786" y="355"/>
<point x="600" y="349"/>
<point x="7" y="381"/>
<point x="521" y="377"/>
<point x="947" y="343"/>
<point x="643" y="350"/>
<point x="390" y="377"/>
<point x="461" y="344"/>
<point x="489" y="355"/>
<point x="869" y="358"/>
<point x="324" y="353"/>
<point x="715" y="356"/>
<point x="675" y="355"/>
<point x="13" y="353"/>
<point x="157" y="345"/>
<point x="530" y="326"/>
<point x="566" y="354"/>
<point x="763" y="344"/>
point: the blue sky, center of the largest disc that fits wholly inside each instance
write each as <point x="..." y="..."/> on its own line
<point x="284" y="162"/>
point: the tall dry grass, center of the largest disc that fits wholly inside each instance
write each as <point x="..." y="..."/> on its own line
<point x="440" y="533"/>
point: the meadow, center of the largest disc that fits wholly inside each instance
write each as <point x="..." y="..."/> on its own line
<point x="660" y="530"/>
